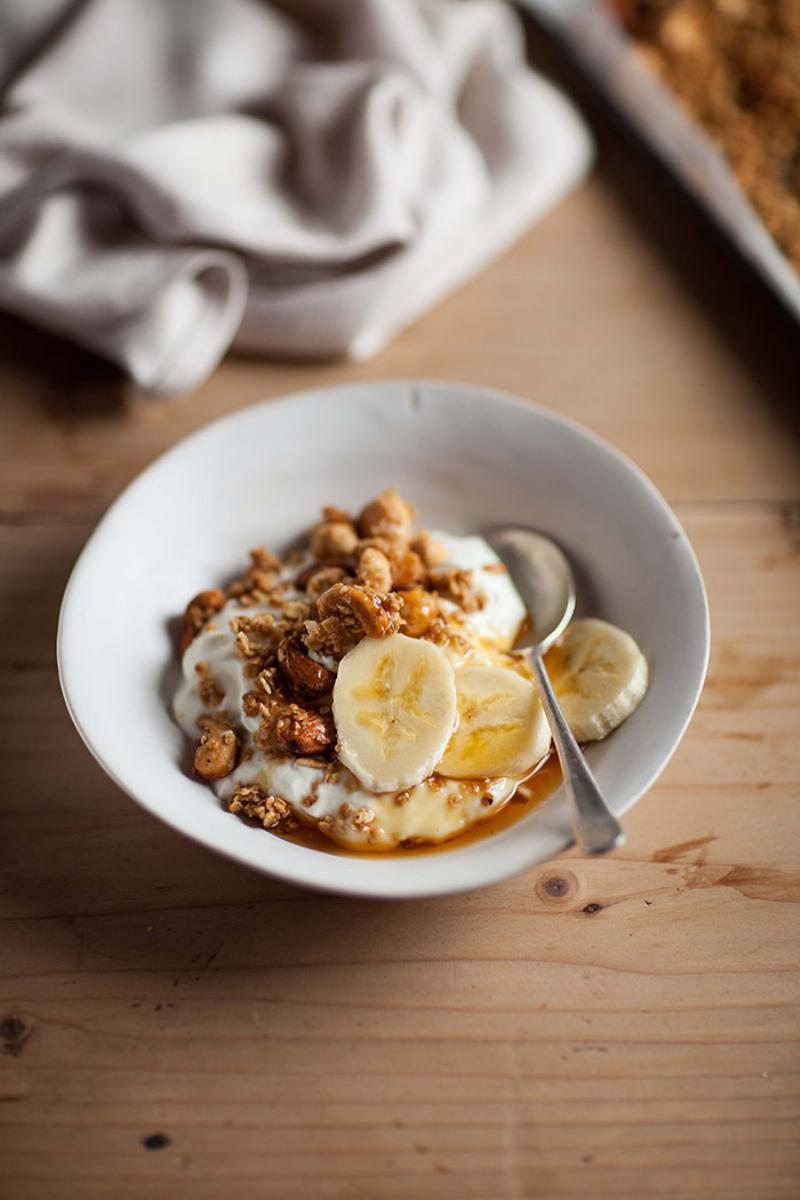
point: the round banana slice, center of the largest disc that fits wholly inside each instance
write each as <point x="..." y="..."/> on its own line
<point x="502" y="730"/>
<point x="600" y="676"/>
<point x="394" y="704"/>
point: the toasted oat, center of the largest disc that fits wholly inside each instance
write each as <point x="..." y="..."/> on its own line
<point x="260" y="579"/>
<point x="333" y="772"/>
<point x="267" y="680"/>
<point x="249" y="800"/>
<point x="257" y="636"/>
<point x="350" y="820"/>
<point x="218" y="719"/>
<point x="332" y="637"/>
<point x="457" y="585"/>
<point x="211" y="694"/>
<point x="295" y="611"/>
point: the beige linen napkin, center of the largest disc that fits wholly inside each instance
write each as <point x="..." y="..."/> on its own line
<point x="301" y="178"/>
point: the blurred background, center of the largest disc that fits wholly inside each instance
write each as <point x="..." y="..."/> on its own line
<point x="303" y="181"/>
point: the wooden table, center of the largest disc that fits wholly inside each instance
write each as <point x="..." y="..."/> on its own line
<point x="174" y="1026"/>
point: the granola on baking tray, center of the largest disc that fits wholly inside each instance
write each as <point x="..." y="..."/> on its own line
<point x="735" y="66"/>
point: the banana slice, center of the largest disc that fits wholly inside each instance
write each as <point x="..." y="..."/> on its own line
<point x="600" y="676"/>
<point x="394" y="704"/>
<point x="502" y="730"/>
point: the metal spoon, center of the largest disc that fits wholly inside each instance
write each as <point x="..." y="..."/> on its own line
<point x="544" y="580"/>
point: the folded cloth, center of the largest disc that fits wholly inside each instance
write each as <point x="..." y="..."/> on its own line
<point x="302" y="177"/>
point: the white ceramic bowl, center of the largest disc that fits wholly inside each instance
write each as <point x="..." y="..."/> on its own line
<point x="469" y="459"/>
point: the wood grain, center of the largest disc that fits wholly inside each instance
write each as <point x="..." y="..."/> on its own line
<point x="631" y="1032"/>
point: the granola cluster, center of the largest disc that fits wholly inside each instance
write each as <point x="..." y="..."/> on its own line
<point x="735" y="65"/>
<point x="273" y="812"/>
<point x="369" y="575"/>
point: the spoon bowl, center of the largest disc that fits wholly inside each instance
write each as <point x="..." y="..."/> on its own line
<point x="543" y="577"/>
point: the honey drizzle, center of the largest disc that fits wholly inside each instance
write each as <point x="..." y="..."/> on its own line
<point x="532" y="792"/>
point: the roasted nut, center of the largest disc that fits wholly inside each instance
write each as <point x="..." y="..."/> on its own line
<point x="303" y="675"/>
<point x="332" y="513"/>
<point x="390" y="544"/>
<point x="374" y="570"/>
<point x="264" y="560"/>
<point x="418" y="611"/>
<point x="388" y="513"/>
<point x="198" y="611"/>
<point x="216" y="754"/>
<point x="302" y="731"/>
<point x="359" y="604"/>
<point x="682" y="33"/>
<point x="407" y="569"/>
<point x="333" y="539"/>
<point x="429" y="548"/>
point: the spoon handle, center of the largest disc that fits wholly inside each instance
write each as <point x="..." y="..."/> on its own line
<point x="596" y="828"/>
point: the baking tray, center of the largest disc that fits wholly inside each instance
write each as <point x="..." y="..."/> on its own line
<point x="599" y="44"/>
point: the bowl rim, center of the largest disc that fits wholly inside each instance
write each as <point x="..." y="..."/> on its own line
<point x="352" y="887"/>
